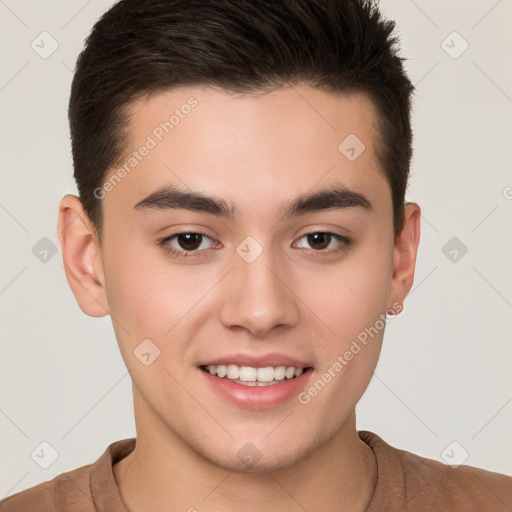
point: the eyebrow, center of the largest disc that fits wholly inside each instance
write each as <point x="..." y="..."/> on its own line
<point x="337" y="196"/>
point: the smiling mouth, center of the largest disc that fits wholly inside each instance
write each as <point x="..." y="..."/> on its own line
<point x="251" y="376"/>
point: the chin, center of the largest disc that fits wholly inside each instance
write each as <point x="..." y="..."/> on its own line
<point x="274" y="462"/>
<point x="259" y="455"/>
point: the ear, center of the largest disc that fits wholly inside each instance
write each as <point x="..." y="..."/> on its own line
<point x="404" y="255"/>
<point x="81" y="253"/>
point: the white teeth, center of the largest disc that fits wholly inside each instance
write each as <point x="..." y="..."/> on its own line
<point x="256" y="383"/>
<point x="233" y="371"/>
<point x="265" y="374"/>
<point x="248" y="375"/>
<point x="279" y="373"/>
<point x="290" y="372"/>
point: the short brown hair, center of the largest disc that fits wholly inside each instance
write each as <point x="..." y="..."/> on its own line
<point x="144" y="46"/>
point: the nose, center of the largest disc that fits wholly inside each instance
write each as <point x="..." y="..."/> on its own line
<point x="257" y="297"/>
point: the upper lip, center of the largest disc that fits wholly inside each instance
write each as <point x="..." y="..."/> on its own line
<point x="258" y="361"/>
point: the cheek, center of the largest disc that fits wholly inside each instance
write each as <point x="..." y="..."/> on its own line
<point x="353" y="308"/>
<point x="152" y="296"/>
<point x="138" y="292"/>
<point x="150" y="302"/>
<point x="354" y="295"/>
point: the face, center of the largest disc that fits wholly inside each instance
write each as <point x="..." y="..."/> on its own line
<point x="282" y="255"/>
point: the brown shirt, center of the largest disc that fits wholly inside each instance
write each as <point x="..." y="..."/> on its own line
<point x="405" y="482"/>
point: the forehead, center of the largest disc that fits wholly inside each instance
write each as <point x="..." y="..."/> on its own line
<point x="249" y="148"/>
<point x="307" y="114"/>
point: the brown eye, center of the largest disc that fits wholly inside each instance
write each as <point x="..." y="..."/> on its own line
<point x="189" y="241"/>
<point x="185" y="244"/>
<point x="319" y="241"/>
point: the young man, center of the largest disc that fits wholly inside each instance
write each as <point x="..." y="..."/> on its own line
<point x="242" y="169"/>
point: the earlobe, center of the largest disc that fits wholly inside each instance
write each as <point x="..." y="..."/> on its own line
<point x="404" y="255"/>
<point x="82" y="257"/>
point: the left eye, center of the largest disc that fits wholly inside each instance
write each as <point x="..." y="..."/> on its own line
<point x="321" y="240"/>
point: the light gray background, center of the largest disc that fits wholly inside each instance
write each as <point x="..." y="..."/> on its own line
<point x="444" y="373"/>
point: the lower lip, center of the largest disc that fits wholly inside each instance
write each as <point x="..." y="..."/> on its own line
<point x="258" y="397"/>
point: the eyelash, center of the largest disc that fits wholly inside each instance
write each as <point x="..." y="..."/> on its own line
<point x="163" y="243"/>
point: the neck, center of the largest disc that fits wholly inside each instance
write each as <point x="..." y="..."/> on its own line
<point x="163" y="473"/>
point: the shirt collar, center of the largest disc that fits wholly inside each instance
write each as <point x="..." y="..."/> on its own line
<point x="105" y="491"/>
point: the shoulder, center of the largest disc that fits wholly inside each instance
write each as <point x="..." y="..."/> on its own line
<point x="426" y="484"/>
<point x="68" y="490"/>
<point x="456" y="488"/>
<point x="85" y="489"/>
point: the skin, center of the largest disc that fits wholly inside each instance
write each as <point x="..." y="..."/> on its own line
<point x="258" y="152"/>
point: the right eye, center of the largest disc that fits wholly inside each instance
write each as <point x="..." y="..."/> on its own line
<point x="184" y="244"/>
